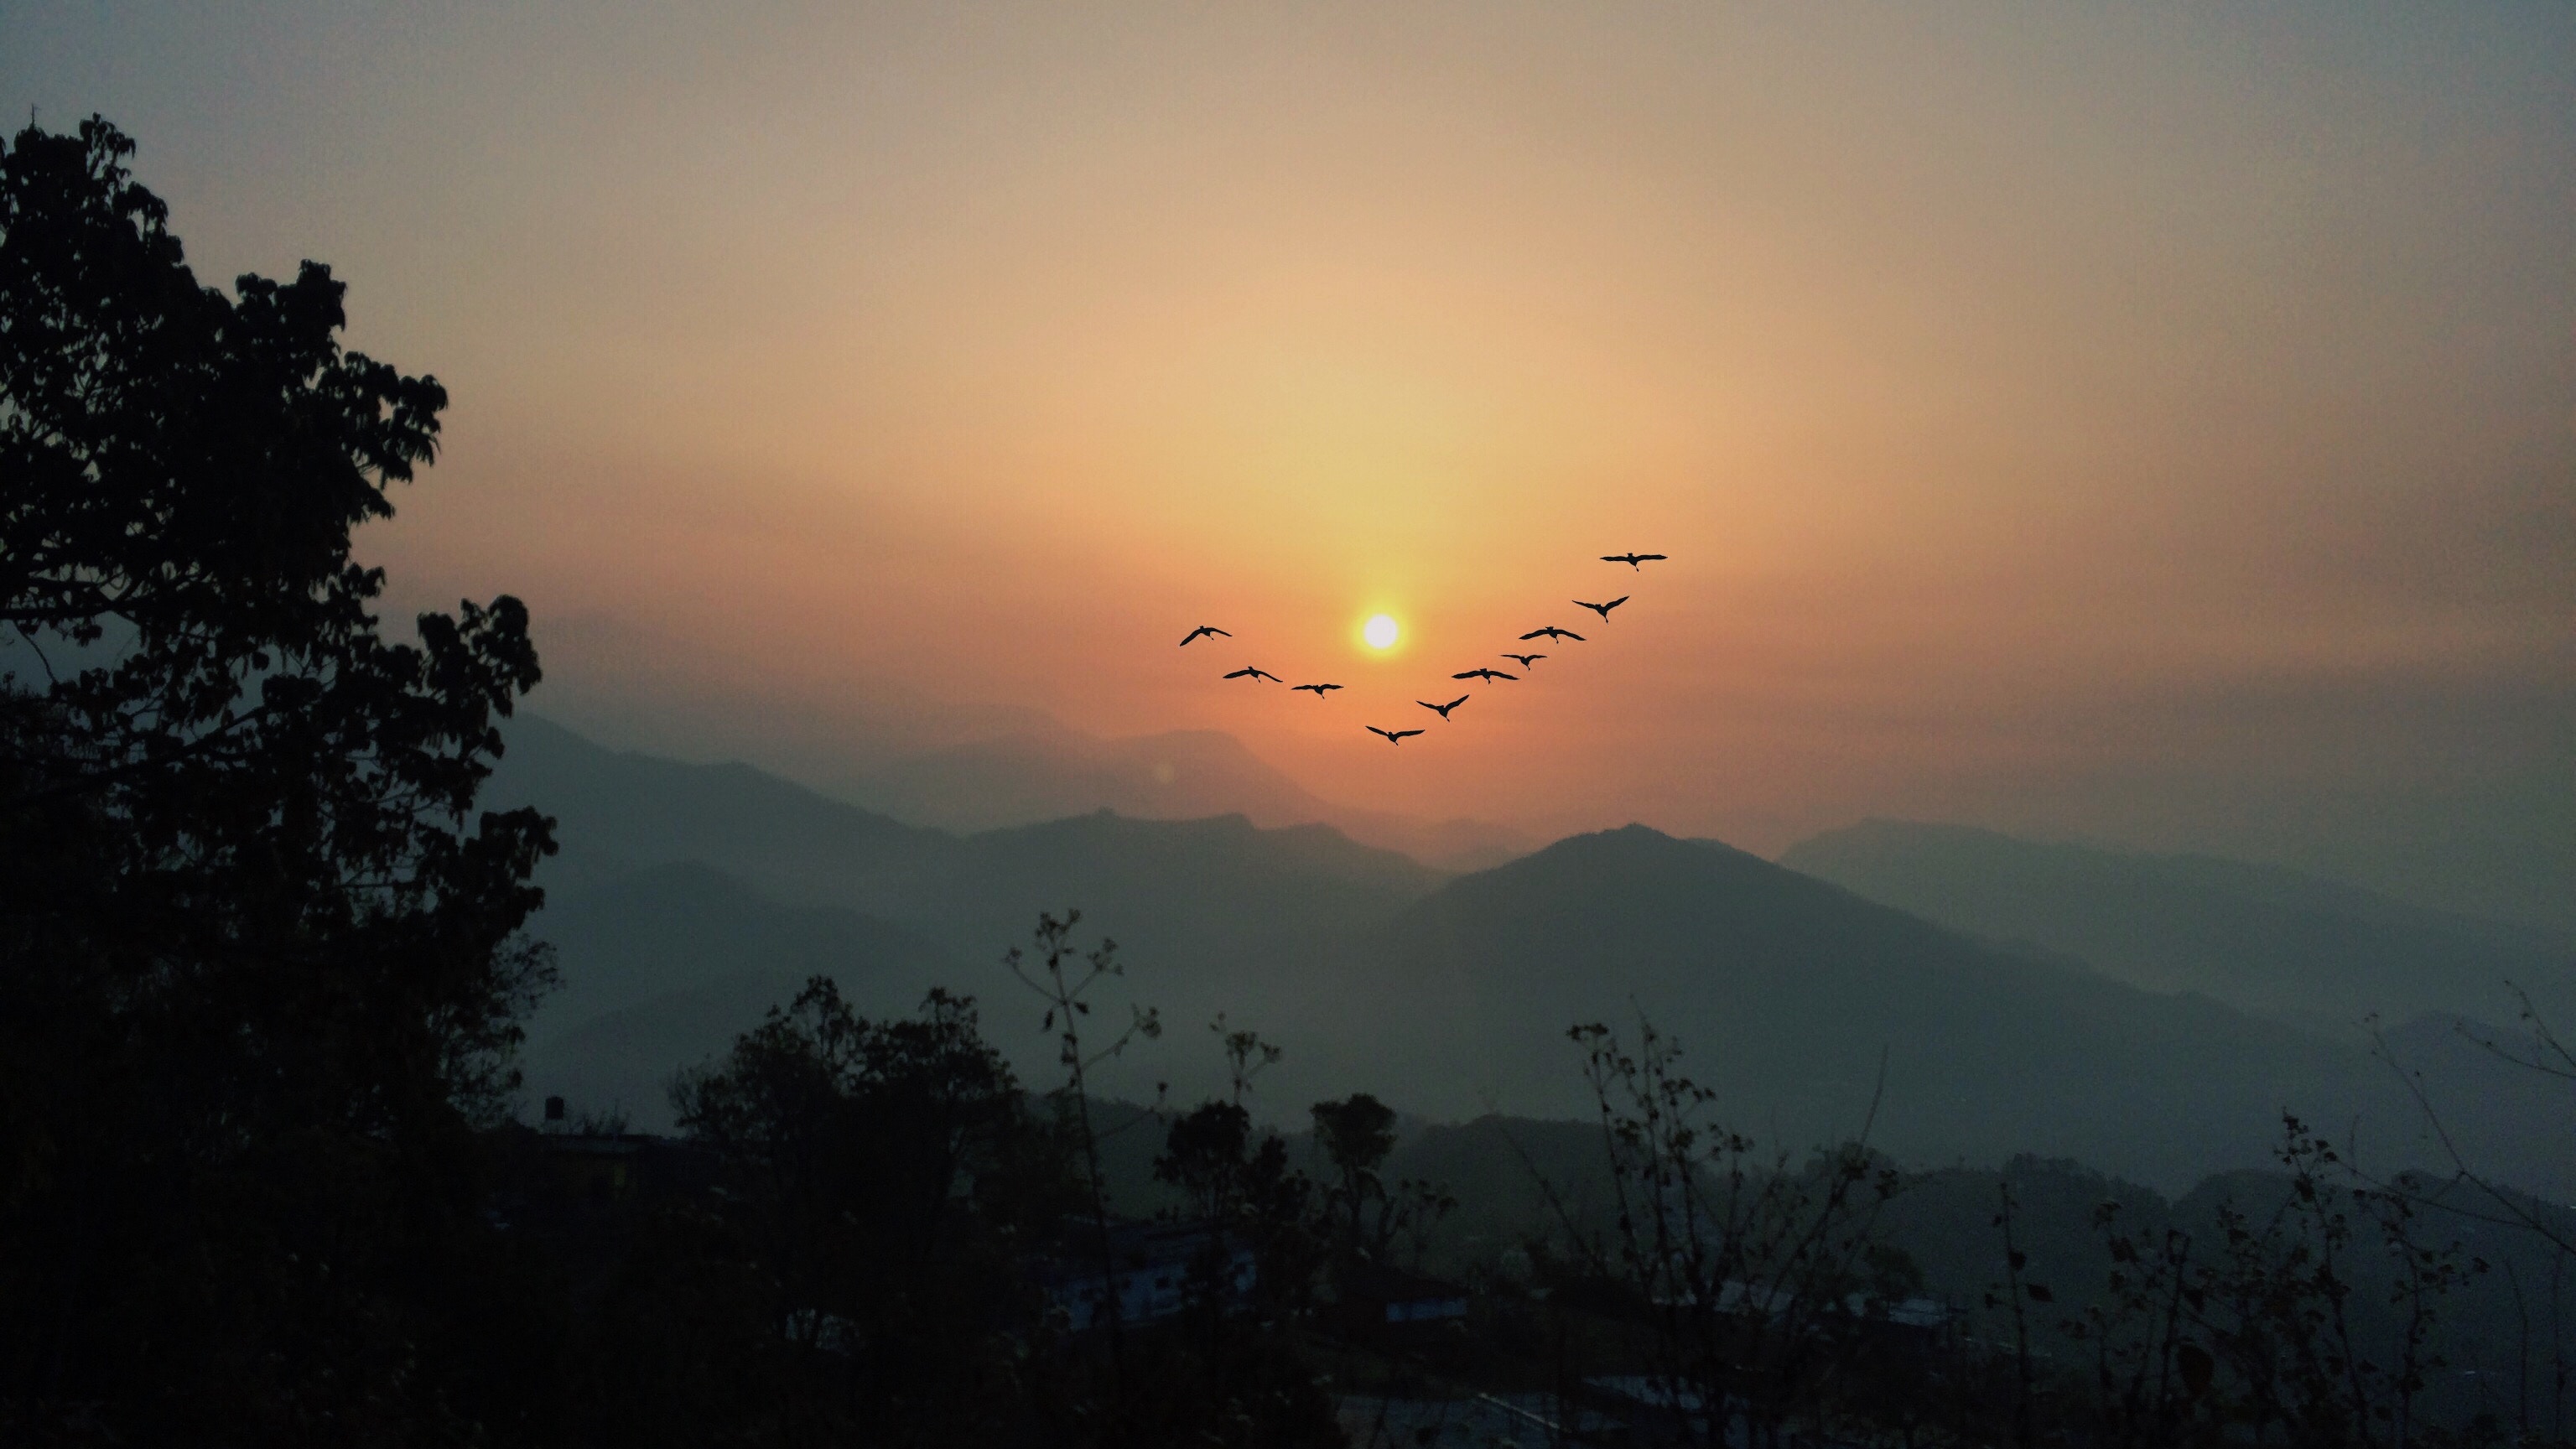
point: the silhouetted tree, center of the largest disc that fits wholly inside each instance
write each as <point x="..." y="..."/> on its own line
<point x="1065" y="976"/>
<point x="2269" y="1330"/>
<point x="257" y="971"/>
<point x="1241" y="1184"/>
<point x="2469" y="1193"/>
<point x="1754" y="1278"/>
<point x="890" y="1179"/>
<point x="1234" y="1373"/>
<point x="1369" y="1214"/>
<point x="1355" y="1133"/>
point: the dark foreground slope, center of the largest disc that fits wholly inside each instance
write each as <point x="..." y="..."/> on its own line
<point x="2262" y="938"/>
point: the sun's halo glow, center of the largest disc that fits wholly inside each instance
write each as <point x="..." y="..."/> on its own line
<point x="1379" y="631"/>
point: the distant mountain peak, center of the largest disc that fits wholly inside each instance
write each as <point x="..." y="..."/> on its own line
<point x="1641" y="843"/>
<point x="1026" y="777"/>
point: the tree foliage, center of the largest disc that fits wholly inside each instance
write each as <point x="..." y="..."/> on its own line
<point x="1755" y="1278"/>
<point x="1355" y="1134"/>
<point x="2269" y="1330"/>
<point x="888" y="1176"/>
<point x="257" y="961"/>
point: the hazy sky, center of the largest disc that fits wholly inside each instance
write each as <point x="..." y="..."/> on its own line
<point x="2149" y="422"/>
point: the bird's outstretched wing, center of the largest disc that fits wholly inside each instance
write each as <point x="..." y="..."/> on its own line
<point x="1392" y="736"/>
<point x="1202" y="632"/>
<point x="1403" y="734"/>
<point x="1248" y="671"/>
<point x="1265" y="674"/>
<point x="1317" y="688"/>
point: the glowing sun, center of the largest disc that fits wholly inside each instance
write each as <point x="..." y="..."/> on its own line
<point x="1379" y="631"/>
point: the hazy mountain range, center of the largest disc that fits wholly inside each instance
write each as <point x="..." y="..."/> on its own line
<point x="1032" y="775"/>
<point x="2260" y="938"/>
<point x="691" y="897"/>
<point x="964" y="767"/>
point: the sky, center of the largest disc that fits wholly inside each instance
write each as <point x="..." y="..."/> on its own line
<point x="2144" y="424"/>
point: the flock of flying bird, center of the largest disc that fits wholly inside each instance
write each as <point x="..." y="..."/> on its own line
<point x="1527" y="662"/>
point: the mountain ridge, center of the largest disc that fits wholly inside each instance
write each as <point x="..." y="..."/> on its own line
<point x="1451" y="995"/>
<point x="1790" y="992"/>
<point x="1027" y="776"/>
<point x="2320" y="953"/>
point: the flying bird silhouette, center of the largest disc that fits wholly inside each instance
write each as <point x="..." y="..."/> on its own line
<point x="1553" y="632"/>
<point x="1254" y="673"/>
<point x="1526" y="660"/>
<point x="1202" y="632"/>
<point x="1393" y="737"/>
<point x="1630" y="559"/>
<point x="1442" y="710"/>
<point x="1604" y="609"/>
<point x="1317" y="688"/>
<point x="1481" y="674"/>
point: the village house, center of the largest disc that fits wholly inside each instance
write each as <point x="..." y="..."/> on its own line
<point x="1153" y="1269"/>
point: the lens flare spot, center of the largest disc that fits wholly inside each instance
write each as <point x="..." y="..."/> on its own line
<point x="1379" y="631"/>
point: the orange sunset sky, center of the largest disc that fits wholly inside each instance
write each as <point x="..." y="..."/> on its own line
<point x="2153" y="424"/>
